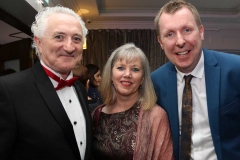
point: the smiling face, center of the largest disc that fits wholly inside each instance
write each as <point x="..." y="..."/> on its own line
<point x="181" y="39"/>
<point x="60" y="47"/>
<point x="127" y="77"/>
<point x="97" y="78"/>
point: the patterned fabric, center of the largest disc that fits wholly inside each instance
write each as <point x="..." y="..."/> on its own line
<point x="153" y="138"/>
<point x="186" y="129"/>
<point x="115" y="134"/>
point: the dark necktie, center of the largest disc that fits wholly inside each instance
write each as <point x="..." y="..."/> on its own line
<point x="61" y="83"/>
<point x="186" y="129"/>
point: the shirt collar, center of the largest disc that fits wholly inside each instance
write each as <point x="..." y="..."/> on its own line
<point x="197" y="72"/>
<point x="57" y="74"/>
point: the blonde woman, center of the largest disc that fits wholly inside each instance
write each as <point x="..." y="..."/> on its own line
<point x="130" y="125"/>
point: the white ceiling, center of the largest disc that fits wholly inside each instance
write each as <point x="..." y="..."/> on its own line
<point x="141" y="13"/>
<point x="128" y="14"/>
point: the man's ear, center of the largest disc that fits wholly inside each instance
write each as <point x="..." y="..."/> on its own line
<point x="160" y="41"/>
<point x="201" y="31"/>
<point x="38" y="43"/>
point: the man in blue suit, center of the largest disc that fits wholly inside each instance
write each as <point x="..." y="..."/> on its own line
<point x="215" y="85"/>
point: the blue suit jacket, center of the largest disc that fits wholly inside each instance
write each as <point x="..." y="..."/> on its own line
<point x="222" y="76"/>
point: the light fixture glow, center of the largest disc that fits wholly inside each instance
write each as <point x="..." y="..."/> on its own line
<point x="85" y="44"/>
<point x="40" y="1"/>
<point x="84" y="11"/>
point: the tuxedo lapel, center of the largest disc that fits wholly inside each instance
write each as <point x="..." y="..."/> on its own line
<point x="53" y="102"/>
<point x="212" y="78"/>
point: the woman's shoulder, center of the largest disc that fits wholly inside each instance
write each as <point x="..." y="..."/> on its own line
<point x="97" y="110"/>
<point x="156" y="109"/>
<point x="156" y="112"/>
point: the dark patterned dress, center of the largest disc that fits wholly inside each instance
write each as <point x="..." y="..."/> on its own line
<point x="114" y="137"/>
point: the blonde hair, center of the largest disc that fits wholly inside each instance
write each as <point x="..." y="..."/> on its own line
<point x="173" y="6"/>
<point x="128" y="52"/>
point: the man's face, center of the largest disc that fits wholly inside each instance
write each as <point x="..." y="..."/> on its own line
<point x="181" y="39"/>
<point x="60" y="47"/>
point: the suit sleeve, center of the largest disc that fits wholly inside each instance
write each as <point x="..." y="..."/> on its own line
<point x="7" y="123"/>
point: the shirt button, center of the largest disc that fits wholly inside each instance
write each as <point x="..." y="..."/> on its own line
<point x="74" y="122"/>
<point x="70" y="100"/>
<point x="81" y="143"/>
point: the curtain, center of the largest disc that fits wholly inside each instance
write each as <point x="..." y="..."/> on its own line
<point x="101" y="43"/>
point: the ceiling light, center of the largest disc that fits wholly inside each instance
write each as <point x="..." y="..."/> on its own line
<point x="83" y="11"/>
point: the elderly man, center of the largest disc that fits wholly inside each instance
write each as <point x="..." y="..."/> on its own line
<point x="43" y="110"/>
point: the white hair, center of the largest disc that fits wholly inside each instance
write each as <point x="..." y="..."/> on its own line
<point x="39" y="25"/>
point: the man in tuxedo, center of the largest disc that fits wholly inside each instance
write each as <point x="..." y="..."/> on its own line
<point x="215" y="85"/>
<point x="43" y="110"/>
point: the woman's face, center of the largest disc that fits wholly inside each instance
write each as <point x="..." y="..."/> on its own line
<point x="97" y="78"/>
<point x="127" y="77"/>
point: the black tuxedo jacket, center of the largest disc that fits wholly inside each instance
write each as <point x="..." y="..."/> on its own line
<point x="33" y="122"/>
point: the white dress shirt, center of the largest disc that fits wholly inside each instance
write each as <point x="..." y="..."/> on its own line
<point x="72" y="106"/>
<point x="202" y="144"/>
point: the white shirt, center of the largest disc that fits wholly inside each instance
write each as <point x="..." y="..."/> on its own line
<point x="202" y="144"/>
<point x="72" y="106"/>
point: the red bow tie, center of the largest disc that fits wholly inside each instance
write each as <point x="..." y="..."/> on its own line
<point x="61" y="83"/>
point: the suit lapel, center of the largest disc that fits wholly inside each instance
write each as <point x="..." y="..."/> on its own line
<point x="172" y="106"/>
<point x="212" y="78"/>
<point x="53" y="102"/>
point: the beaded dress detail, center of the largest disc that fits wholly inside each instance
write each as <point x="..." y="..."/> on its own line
<point x="115" y="135"/>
